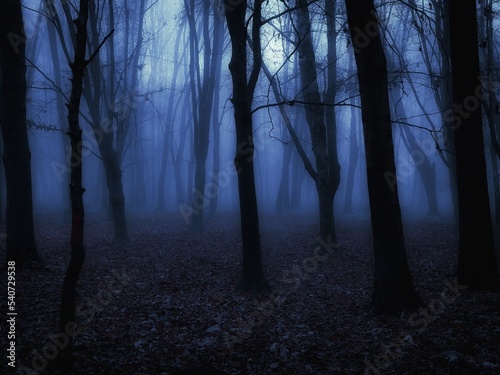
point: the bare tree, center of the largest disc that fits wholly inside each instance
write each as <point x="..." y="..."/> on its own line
<point x="76" y="190"/>
<point x="476" y="257"/>
<point x="252" y="277"/>
<point x="393" y="286"/>
<point x="21" y="246"/>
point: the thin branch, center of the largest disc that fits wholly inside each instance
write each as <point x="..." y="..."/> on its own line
<point x="291" y="103"/>
<point x="98" y="48"/>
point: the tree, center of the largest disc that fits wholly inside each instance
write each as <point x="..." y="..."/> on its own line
<point x="393" y="286"/>
<point x="323" y="133"/>
<point x="434" y="36"/>
<point x="476" y="255"/>
<point x="252" y="277"/>
<point x="76" y="190"/>
<point x="111" y="119"/>
<point x="216" y="121"/>
<point x="490" y="102"/>
<point x="202" y="96"/>
<point x="353" y="153"/>
<point x="21" y="246"/>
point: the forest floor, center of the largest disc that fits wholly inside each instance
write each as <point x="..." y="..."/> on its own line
<point x="167" y="301"/>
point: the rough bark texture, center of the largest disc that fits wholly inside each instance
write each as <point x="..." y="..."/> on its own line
<point x="21" y="246"/>
<point x="252" y="277"/>
<point x="393" y="287"/>
<point x="476" y="257"/>
<point x="76" y="190"/>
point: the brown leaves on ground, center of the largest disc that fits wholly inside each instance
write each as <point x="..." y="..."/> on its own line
<point x="167" y="302"/>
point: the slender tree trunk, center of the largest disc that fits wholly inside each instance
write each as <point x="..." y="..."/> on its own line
<point x="425" y="168"/>
<point x="160" y="205"/>
<point x="115" y="188"/>
<point x="204" y="107"/>
<point x="331" y="118"/>
<point x="252" y="277"/>
<point x="76" y="190"/>
<point x="216" y="153"/>
<point x="393" y="286"/>
<point x="217" y="54"/>
<point x="315" y="116"/>
<point x="353" y="161"/>
<point x="476" y="256"/>
<point x="60" y="110"/>
<point x="21" y="246"/>
<point x="281" y="199"/>
<point x="170" y="119"/>
<point x="496" y="183"/>
<point x="2" y="182"/>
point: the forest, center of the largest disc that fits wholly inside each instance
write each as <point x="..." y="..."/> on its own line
<point x="236" y="187"/>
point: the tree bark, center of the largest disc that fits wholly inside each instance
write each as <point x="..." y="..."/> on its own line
<point x="252" y="277"/>
<point x="393" y="286"/>
<point x="76" y="190"/>
<point x="353" y="162"/>
<point x="217" y="54"/>
<point x="476" y="256"/>
<point x="21" y="246"/>
<point x="315" y="116"/>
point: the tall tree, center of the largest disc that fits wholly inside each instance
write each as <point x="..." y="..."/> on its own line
<point x="330" y="99"/>
<point x="323" y="138"/>
<point x="252" y="277"/>
<point x="393" y="286"/>
<point x="21" y="246"/>
<point x="476" y="256"/>
<point x="430" y="25"/>
<point x="76" y="190"/>
<point x="216" y="121"/>
<point x="202" y="96"/>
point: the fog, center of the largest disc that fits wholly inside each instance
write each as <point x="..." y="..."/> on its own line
<point x="153" y="106"/>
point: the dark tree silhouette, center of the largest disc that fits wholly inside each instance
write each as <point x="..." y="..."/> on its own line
<point x="393" y="286"/>
<point x="252" y="277"/>
<point x="476" y="257"/>
<point x="76" y="190"/>
<point x="323" y="138"/>
<point x="21" y="246"/>
<point x="202" y="96"/>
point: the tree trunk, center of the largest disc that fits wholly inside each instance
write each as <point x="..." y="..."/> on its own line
<point x="217" y="54"/>
<point x="315" y="116"/>
<point x="204" y="107"/>
<point x="168" y="131"/>
<point x="330" y="98"/>
<point x="476" y="256"/>
<point x="283" y="195"/>
<point x="65" y="177"/>
<point x="76" y="190"/>
<point x="21" y="246"/>
<point x="160" y="205"/>
<point x="116" y="197"/>
<point x="425" y="168"/>
<point x="393" y="286"/>
<point x="252" y="277"/>
<point x="496" y="183"/>
<point x="353" y="162"/>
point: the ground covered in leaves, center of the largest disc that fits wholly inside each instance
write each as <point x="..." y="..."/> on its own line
<point x="167" y="301"/>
